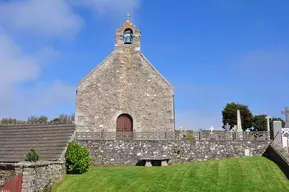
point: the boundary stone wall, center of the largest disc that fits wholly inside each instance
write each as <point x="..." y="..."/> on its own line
<point x="40" y="175"/>
<point x="278" y="155"/>
<point x="119" y="152"/>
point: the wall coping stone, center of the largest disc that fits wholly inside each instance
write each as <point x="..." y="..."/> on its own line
<point x="38" y="163"/>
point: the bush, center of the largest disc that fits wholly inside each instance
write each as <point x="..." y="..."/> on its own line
<point x="77" y="158"/>
<point x="32" y="155"/>
<point x="188" y="137"/>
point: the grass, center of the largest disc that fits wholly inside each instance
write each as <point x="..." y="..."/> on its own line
<point x="228" y="175"/>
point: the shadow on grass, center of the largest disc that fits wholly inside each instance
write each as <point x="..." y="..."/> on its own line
<point x="153" y="162"/>
<point x="278" y="159"/>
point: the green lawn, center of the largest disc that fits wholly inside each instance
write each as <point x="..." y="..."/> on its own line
<point x="229" y="175"/>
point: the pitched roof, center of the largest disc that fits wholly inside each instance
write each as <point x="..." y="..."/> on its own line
<point x="48" y="140"/>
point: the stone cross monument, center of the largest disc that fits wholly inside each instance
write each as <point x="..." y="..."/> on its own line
<point x="239" y="124"/>
<point x="286" y="112"/>
<point x="212" y="129"/>
<point x="227" y="127"/>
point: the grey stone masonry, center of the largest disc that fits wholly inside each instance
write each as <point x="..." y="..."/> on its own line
<point x="125" y="83"/>
<point x="130" y="152"/>
<point x="40" y="175"/>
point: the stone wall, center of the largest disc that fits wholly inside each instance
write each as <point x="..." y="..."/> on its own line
<point x="129" y="152"/>
<point x="279" y="155"/>
<point x="41" y="175"/>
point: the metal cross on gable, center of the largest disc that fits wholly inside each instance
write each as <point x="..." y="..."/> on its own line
<point x="128" y="16"/>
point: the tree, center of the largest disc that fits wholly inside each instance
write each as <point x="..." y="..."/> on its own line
<point x="260" y="122"/>
<point x="11" y="121"/>
<point x="276" y="119"/>
<point x="42" y="119"/>
<point x="35" y="120"/>
<point x="63" y="118"/>
<point x="230" y="115"/>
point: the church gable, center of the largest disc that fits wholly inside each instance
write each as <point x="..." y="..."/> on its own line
<point x="97" y="71"/>
<point x="125" y="84"/>
<point x="154" y="70"/>
<point x="110" y="68"/>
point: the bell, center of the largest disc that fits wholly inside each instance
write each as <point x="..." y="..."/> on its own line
<point x="127" y="39"/>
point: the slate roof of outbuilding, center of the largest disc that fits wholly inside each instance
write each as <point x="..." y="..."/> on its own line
<point x="49" y="140"/>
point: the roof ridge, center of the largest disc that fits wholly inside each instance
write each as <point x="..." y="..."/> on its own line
<point x="36" y="124"/>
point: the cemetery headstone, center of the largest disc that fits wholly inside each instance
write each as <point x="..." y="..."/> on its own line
<point x="286" y="113"/>
<point x="277" y="129"/>
<point x="227" y="127"/>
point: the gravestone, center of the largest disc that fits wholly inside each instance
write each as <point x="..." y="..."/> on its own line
<point x="228" y="134"/>
<point x="277" y="128"/>
<point x="212" y="129"/>
<point x="234" y="128"/>
<point x="247" y="152"/>
<point x="227" y="127"/>
<point x="239" y="126"/>
<point x="239" y="123"/>
<point x="268" y="125"/>
<point x="286" y="113"/>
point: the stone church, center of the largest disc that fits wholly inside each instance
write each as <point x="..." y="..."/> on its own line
<point x="125" y="93"/>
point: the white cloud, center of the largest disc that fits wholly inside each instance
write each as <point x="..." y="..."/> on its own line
<point x="41" y="17"/>
<point x="54" y="94"/>
<point x="16" y="67"/>
<point x="42" y="99"/>
<point x="44" y="21"/>
<point x="109" y="6"/>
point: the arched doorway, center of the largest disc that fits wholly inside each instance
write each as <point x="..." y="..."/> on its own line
<point x="124" y="127"/>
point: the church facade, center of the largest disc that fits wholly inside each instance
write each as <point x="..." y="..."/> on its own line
<point x="125" y="93"/>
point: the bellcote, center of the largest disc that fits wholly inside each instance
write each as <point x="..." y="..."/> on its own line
<point x="128" y="35"/>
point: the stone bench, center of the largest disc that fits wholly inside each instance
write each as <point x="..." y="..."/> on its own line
<point x="148" y="160"/>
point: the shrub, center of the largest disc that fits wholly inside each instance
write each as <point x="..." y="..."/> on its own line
<point x="188" y="137"/>
<point x="32" y="155"/>
<point x="77" y="158"/>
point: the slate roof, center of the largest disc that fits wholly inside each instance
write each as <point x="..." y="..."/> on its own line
<point x="49" y="140"/>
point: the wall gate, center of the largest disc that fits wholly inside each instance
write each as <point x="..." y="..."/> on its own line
<point x="13" y="184"/>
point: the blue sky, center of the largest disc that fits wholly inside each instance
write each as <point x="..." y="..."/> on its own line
<point x="212" y="52"/>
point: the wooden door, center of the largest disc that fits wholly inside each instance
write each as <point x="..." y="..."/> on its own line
<point x="124" y="127"/>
